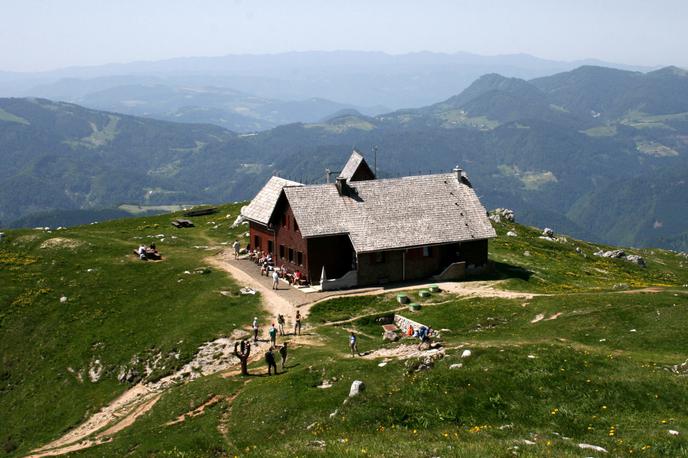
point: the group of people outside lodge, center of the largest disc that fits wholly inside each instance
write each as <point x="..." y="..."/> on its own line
<point x="272" y="332"/>
<point x="268" y="267"/>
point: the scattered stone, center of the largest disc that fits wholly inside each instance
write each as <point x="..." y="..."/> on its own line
<point x="531" y="356"/>
<point x="311" y="426"/>
<point x="456" y="366"/>
<point x="334" y="414"/>
<point x="538" y="317"/>
<point x="63" y="299"/>
<point x="578" y="250"/>
<point x="426" y="361"/>
<point x="247" y="291"/>
<point x="402" y="299"/>
<point x="390" y="336"/>
<point x="499" y="214"/>
<point x="325" y="384"/>
<point x="596" y="448"/>
<point x="673" y="432"/>
<point x="615" y="254"/>
<point x="603" y="340"/>
<point x="635" y="259"/>
<point x="511" y="234"/>
<point x="621" y="286"/>
<point x="547" y="232"/>
<point x="466" y="354"/>
<point x="526" y="253"/>
<point x="382" y="364"/>
<point x="317" y="443"/>
<point x="527" y="442"/>
<point x="356" y="388"/>
<point x="95" y="371"/>
<point x="680" y="369"/>
<point x="632" y="330"/>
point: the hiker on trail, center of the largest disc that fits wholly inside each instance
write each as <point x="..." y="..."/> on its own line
<point x="236" y="247"/>
<point x="353" y="344"/>
<point x="424" y="336"/>
<point x="275" y="280"/>
<point x="297" y="323"/>
<point x="255" y="329"/>
<point x="273" y="334"/>
<point x="283" y="354"/>
<point x="280" y="323"/>
<point x="270" y="361"/>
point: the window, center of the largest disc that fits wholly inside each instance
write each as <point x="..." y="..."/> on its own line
<point x="291" y="255"/>
<point x="296" y="225"/>
<point x="427" y="251"/>
<point x="281" y="252"/>
<point x="271" y="246"/>
<point x="285" y="221"/>
<point x="299" y="258"/>
<point x="256" y="243"/>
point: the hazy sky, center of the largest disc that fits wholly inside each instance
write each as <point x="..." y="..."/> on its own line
<point x="44" y="34"/>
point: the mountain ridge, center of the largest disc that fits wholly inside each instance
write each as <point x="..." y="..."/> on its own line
<point x="522" y="149"/>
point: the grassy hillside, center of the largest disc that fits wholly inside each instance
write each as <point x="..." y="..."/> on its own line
<point x="585" y="361"/>
<point x="116" y="308"/>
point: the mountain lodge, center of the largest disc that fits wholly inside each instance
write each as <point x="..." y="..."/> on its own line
<point x="362" y="230"/>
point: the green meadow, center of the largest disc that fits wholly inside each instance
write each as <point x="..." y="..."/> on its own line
<point x="587" y="360"/>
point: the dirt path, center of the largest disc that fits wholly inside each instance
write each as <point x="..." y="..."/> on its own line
<point x="123" y="411"/>
<point x="130" y="405"/>
<point x="273" y="303"/>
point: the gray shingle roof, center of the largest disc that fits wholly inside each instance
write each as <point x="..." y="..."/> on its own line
<point x="392" y="213"/>
<point x="261" y="207"/>
<point x="352" y="165"/>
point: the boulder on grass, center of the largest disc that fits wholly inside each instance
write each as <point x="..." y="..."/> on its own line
<point x="357" y="387"/>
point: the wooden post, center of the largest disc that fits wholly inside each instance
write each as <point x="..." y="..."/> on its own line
<point x="243" y="354"/>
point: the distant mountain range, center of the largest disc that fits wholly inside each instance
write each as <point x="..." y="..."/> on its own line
<point x="596" y="152"/>
<point x="169" y="101"/>
<point x="256" y="92"/>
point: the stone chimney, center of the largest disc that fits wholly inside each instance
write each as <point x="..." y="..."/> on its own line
<point x="458" y="171"/>
<point x="341" y="185"/>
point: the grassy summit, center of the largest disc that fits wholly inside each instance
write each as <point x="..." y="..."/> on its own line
<point x="585" y="360"/>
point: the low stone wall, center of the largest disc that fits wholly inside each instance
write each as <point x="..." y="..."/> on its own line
<point x="453" y="272"/>
<point x="403" y="323"/>
<point x="348" y="280"/>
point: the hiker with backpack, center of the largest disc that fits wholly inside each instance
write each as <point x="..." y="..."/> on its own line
<point x="273" y="334"/>
<point x="280" y="323"/>
<point x="270" y="361"/>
